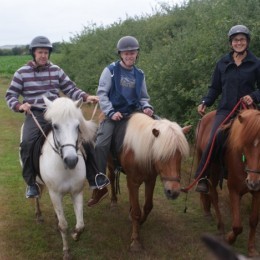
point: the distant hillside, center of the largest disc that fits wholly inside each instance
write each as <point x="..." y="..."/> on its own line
<point x="9" y="47"/>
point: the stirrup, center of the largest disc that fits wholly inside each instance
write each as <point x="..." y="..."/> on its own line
<point x="39" y="190"/>
<point x="100" y="187"/>
<point x="203" y="185"/>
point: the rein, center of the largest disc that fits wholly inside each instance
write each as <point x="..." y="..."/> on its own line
<point x="190" y="186"/>
<point x="58" y="148"/>
<point x="39" y="126"/>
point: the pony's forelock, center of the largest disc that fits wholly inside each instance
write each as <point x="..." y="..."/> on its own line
<point x="64" y="108"/>
<point x="245" y="131"/>
<point x="148" y="148"/>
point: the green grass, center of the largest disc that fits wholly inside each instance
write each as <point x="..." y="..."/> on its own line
<point x="9" y="64"/>
<point x="169" y="233"/>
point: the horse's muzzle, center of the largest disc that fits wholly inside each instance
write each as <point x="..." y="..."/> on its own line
<point x="71" y="161"/>
<point x="171" y="194"/>
<point x="253" y="185"/>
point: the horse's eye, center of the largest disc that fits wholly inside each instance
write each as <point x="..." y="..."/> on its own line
<point x="55" y="127"/>
<point x="243" y="158"/>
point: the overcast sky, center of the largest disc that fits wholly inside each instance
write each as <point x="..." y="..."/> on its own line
<point x="22" y="20"/>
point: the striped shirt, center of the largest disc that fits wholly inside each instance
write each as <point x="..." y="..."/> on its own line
<point x="33" y="82"/>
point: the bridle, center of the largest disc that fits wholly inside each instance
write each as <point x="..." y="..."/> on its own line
<point x="58" y="147"/>
<point x="247" y="170"/>
<point x="175" y="179"/>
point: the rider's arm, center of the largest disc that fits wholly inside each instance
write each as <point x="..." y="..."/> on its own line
<point x="104" y="86"/>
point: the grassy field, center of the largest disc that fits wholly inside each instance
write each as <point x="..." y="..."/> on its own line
<point x="169" y="233"/>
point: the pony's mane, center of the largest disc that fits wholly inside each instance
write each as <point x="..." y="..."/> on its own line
<point x="245" y="129"/>
<point x="64" y="109"/>
<point x="147" y="148"/>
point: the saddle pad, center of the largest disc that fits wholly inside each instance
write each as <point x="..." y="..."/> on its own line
<point x="37" y="148"/>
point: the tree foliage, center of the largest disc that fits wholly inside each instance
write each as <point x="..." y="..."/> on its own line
<point x="180" y="46"/>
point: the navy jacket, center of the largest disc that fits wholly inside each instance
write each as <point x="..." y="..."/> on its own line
<point x="233" y="82"/>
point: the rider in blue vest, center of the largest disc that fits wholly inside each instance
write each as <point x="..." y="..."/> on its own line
<point x="121" y="91"/>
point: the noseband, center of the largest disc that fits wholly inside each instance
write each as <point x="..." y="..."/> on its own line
<point x="247" y="170"/>
<point x="58" y="147"/>
<point x="176" y="179"/>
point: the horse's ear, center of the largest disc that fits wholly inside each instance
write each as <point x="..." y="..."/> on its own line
<point x="186" y="129"/>
<point x="79" y="103"/>
<point x="47" y="102"/>
<point x="240" y="118"/>
<point x="156" y="132"/>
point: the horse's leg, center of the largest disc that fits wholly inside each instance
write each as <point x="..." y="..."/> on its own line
<point x="206" y="204"/>
<point x="214" y="201"/>
<point x="62" y="223"/>
<point x="237" y="228"/>
<point x="112" y="178"/>
<point x="135" y="213"/>
<point x="253" y="221"/>
<point x="38" y="212"/>
<point x="148" y="205"/>
<point x="78" y="209"/>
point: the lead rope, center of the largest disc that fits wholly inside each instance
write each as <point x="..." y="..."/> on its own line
<point x="94" y="111"/>
<point x="192" y="164"/>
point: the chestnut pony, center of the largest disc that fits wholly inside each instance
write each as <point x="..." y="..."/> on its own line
<point x="242" y="162"/>
<point x="150" y="148"/>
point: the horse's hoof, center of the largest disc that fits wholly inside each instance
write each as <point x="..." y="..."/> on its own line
<point x="75" y="234"/>
<point x="113" y="205"/>
<point x="230" y="238"/>
<point x="40" y="220"/>
<point x="136" y="246"/>
<point x="208" y="216"/>
<point x="66" y="255"/>
<point x="253" y="253"/>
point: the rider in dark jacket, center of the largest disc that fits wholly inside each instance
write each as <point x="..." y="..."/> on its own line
<point x="236" y="76"/>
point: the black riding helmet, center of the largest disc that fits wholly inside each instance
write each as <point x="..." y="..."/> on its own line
<point x="127" y="43"/>
<point x="237" y="29"/>
<point x="40" y="42"/>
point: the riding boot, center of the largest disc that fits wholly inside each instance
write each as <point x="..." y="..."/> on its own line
<point x="94" y="177"/>
<point x="32" y="189"/>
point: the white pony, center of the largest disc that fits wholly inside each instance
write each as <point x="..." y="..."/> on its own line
<point x="62" y="166"/>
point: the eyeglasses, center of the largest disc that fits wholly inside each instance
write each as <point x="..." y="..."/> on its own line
<point x="237" y="40"/>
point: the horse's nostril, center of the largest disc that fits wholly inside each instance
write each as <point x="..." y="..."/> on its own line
<point x="71" y="162"/>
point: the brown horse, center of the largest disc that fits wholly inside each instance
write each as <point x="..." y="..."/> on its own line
<point x="242" y="161"/>
<point x="150" y="148"/>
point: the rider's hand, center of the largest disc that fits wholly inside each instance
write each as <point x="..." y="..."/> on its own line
<point x="117" y="116"/>
<point x="148" y="111"/>
<point x="25" y="107"/>
<point x="248" y="100"/>
<point x="201" y="109"/>
<point x="92" y="99"/>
